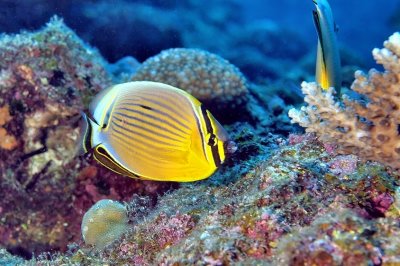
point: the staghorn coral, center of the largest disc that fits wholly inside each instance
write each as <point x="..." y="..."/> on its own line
<point x="208" y="77"/>
<point x="368" y="130"/>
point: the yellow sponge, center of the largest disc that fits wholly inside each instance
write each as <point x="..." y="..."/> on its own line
<point x="103" y="223"/>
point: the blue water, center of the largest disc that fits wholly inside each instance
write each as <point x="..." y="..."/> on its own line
<point x="363" y="25"/>
<point x="119" y="28"/>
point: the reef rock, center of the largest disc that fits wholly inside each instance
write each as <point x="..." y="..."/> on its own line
<point x="208" y="77"/>
<point x="46" y="79"/>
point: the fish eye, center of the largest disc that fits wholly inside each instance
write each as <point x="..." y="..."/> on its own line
<point x="211" y="140"/>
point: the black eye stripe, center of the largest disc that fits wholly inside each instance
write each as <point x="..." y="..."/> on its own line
<point x="211" y="142"/>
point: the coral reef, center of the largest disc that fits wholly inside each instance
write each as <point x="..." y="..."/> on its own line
<point x="208" y="77"/>
<point x="46" y="79"/>
<point x="293" y="206"/>
<point x="276" y="201"/>
<point x="341" y="238"/>
<point x="368" y="129"/>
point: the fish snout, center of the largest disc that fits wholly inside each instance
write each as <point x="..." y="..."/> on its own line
<point x="230" y="147"/>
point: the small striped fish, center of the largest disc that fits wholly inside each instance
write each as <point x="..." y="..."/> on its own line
<point x="328" y="68"/>
<point x="154" y="131"/>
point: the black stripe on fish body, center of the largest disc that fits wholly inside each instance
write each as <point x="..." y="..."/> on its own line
<point x="102" y="156"/>
<point x="173" y="103"/>
<point x="120" y="118"/>
<point x="135" y="135"/>
<point x="107" y="117"/>
<point x="201" y="133"/>
<point x="140" y="117"/>
<point x="140" y="154"/>
<point x="156" y="114"/>
<point x="211" y="141"/>
<point x="146" y="107"/>
<point x="317" y="24"/>
<point x="206" y="120"/>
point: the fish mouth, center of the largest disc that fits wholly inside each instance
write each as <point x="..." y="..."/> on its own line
<point x="230" y="147"/>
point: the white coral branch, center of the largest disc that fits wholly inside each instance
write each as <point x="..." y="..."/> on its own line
<point x="368" y="130"/>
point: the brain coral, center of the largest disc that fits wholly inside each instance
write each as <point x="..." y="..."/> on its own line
<point x="208" y="77"/>
<point x="104" y="222"/>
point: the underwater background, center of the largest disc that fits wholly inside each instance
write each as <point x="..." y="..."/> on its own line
<point x="311" y="185"/>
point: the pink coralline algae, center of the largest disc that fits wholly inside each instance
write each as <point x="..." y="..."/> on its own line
<point x="382" y="202"/>
<point x="343" y="165"/>
<point x="170" y="230"/>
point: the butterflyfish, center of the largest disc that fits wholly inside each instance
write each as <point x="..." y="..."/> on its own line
<point x="154" y="131"/>
<point x="328" y="69"/>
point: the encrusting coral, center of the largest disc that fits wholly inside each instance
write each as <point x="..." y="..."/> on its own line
<point x="208" y="77"/>
<point x="369" y="130"/>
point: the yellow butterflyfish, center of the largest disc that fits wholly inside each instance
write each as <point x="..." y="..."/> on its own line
<point x="328" y="69"/>
<point x="154" y="131"/>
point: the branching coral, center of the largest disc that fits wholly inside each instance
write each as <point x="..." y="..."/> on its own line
<point x="370" y="130"/>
